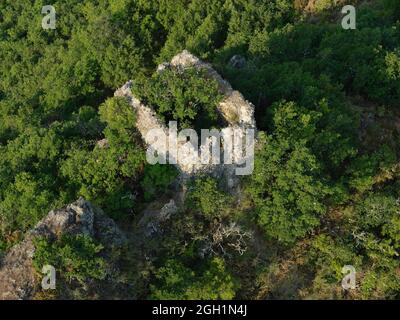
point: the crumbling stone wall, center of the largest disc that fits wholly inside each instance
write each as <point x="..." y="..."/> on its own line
<point x="235" y="110"/>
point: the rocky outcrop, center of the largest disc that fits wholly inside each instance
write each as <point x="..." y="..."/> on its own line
<point x="153" y="219"/>
<point x="18" y="279"/>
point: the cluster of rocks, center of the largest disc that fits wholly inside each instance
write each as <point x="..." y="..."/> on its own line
<point x="18" y="278"/>
<point x="153" y="219"/>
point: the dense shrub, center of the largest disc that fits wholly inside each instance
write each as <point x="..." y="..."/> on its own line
<point x="75" y="258"/>
<point x="210" y="281"/>
<point x="186" y="96"/>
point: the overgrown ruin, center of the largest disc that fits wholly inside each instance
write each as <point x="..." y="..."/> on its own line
<point x="234" y="109"/>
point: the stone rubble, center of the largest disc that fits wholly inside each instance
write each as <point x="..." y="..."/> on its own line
<point x="18" y="278"/>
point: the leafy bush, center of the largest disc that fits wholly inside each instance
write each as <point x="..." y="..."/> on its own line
<point x="186" y="96"/>
<point x="156" y="178"/>
<point x="211" y="281"/>
<point x="287" y="187"/>
<point x="105" y="174"/>
<point x="205" y="196"/>
<point x="75" y="258"/>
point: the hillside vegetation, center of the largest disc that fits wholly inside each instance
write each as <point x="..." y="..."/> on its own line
<point x="325" y="191"/>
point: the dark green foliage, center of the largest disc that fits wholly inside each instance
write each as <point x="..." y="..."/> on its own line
<point x="75" y="258"/>
<point x="374" y="232"/>
<point x="104" y="174"/>
<point x="156" y="178"/>
<point x="393" y="7"/>
<point x="362" y="171"/>
<point x="184" y="96"/>
<point x="52" y="82"/>
<point x="211" y="281"/>
<point x="204" y="196"/>
<point x="288" y="186"/>
<point x="28" y="187"/>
